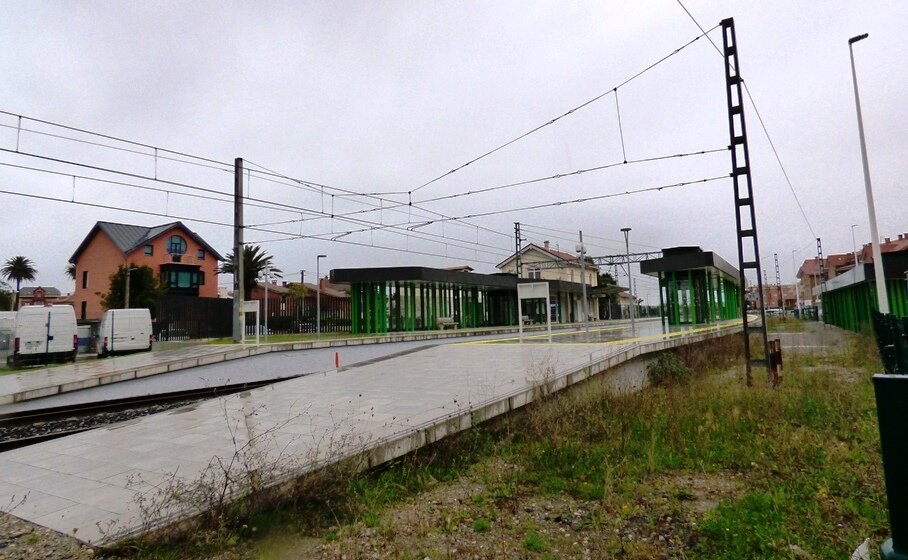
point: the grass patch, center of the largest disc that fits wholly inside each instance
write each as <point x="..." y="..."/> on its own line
<point x="708" y="469"/>
<point x="785" y="324"/>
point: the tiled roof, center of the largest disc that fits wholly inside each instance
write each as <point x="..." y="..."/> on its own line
<point x="893" y="246"/>
<point x="840" y="260"/>
<point x="128" y="237"/>
<point x="569" y="259"/>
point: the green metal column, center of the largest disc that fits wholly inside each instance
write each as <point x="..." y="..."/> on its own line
<point x="663" y="319"/>
<point x="674" y="302"/>
<point x="354" y="308"/>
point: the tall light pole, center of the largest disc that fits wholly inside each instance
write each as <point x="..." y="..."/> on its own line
<point x="794" y="269"/>
<point x="267" y="271"/>
<point x="318" y="296"/>
<point x="126" y="297"/>
<point x="627" y="248"/>
<point x="586" y="314"/>
<point x="881" y="295"/>
<point x="854" y="246"/>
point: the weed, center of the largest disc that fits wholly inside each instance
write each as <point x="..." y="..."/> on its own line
<point x="534" y="543"/>
<point x="481" y="525"/>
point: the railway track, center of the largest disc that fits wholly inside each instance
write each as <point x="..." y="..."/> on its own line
<point x="21" y="429"/>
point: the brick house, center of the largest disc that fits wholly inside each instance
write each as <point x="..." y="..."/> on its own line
<point x="813" y="273"/>
<point x="184" y="263"/>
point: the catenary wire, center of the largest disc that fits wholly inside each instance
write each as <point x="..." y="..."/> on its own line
<point x="759" y="118"/>
<point x="118" y="139"/>
<point x="223" y="224"/>
<point x="558" y="118"/>
<point x="572" y="173"/>
<point x="118" y="148"/>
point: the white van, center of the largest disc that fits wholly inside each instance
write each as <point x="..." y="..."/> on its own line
<point x="7" y="325"/>
<point x="124" y="331"/>
<point x="44" y="334"/>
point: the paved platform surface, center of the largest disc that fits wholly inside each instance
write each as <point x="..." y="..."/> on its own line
<point x="37" y="383"/>
<point x="111" y="483"/>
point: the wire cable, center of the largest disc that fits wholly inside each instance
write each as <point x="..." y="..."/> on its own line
<point x="573" y="173"/>
<point x="563" y="115"/>
<point x="759" y="118"/>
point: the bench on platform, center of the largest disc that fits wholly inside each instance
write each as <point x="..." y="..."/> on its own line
<point x="526" y="320"/>
<point x="444" y="322"/>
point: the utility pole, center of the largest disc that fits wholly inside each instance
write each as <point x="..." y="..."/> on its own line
<point x="627" y="250"/>
<point x="586" y="313"/>
<point x="239" y="315"/>
<point x="318" y="296"/>
<point x="517" y="247"/>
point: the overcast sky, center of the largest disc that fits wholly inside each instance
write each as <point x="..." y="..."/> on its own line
<point x="382" y="97"/>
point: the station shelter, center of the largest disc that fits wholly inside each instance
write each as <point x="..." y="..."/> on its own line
<point x="696" y="287"/>
<point x="402" y="299"/>
<point x="848" y="299"/>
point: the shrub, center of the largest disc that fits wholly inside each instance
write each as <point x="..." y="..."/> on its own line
<point x="667" y="370"/>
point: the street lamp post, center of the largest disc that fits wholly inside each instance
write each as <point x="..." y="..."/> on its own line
<point x="267" y="272"/>
<point x="794" y="269"/>
<point x="882" y="297"/>
<point x="627" y="248"/>
<point x="854" y="246"/>
<point x="126" y="297"/>
<point x="318" y="296"/>
<point x="586" y="314"/>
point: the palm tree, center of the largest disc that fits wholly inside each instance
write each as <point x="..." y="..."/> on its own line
<point x="255" y="261"/>
<point x="71" y="271"/>
<point x="18" y="268"/>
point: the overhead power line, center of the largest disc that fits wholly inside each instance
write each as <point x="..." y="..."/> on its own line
<point x="563" y="115"/>
<point x="531" y="207"/>
<point x="572" y="174"/>
<point x="229" y="225"/>
<point x="759" y="118"/>
<point x="117" y="138"/>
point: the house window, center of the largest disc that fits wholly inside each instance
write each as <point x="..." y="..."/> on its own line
<point x="534" y="273"/>
<point x="201" y="254"/>
<point x="149" y="250"/>
<point x="84" y="279"/>
<point x="176" y="245"/>
<point x="184" y="279"/>
<point x="84" y="309"/>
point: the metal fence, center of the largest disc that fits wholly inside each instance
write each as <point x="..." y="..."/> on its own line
<point x="187" y="317"/>
<point x="289" y="315"/>
<point x="892" y="338"/>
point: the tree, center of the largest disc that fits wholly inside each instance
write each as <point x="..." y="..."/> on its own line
<point x="71" y="271"/>
<point x="18" y="268"/>
<point x="606" y="279"/>
<point x="6" y="296"/>
<point x="144" y="289"/>
<point x="255" y="260"/>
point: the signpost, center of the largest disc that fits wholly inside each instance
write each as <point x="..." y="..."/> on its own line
<point x="533" y="290"/>
<point x="252" y="306"/>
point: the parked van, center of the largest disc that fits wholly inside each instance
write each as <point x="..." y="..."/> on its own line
<point x="7" y="325"/>
<point x="124" y="331"/>
<point x="44" y="334"/>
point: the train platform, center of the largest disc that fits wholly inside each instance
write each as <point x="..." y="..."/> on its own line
<point x="113" y="483"/>
<point x="36" y="383"/>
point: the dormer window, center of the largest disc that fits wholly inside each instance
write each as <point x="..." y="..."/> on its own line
<point x="176" y="245"/>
